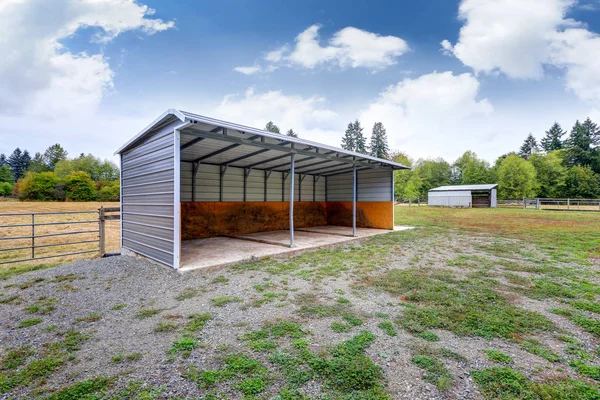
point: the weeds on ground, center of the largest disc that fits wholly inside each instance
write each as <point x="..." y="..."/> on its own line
<point x="465" y="307"/>
<point x="224" y="300"/>
<point x="498" y="356"/>
<point x="147" y="313"/>
<point x="435" y="371"/>
<point x="507" y="383"/>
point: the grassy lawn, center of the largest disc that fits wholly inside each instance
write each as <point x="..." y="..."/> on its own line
<point x="477" y="304"/>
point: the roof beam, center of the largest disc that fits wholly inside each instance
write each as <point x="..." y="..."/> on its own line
<point x="324" y="171"/>
<point x="198" y="139"/>
<point x="313" y="164"/>
<point x="346" y="171"/>
<point x="282" y="165"/>
<point x="223" y="150"/>
<point x="249" y="142"/>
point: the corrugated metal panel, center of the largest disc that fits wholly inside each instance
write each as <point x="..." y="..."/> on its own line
<point x="374" y="185"/>
<point x="320" y="189"/>
<point x="274" y="187"/>
<point x="307" y="188"/>
<point x="339" y="187"/>
<point x="464" y="187"/>
<point x="450" y="199"/>
<point x="147" y="181"/>
<point x="255" y="186"/>
<point x="233" y="185"/>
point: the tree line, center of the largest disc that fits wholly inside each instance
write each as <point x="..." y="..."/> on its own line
<point x="561" y="164"/>
<point x="51" y="175"/>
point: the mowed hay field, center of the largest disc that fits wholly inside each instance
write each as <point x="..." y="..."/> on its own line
<point x="14" y="207"/>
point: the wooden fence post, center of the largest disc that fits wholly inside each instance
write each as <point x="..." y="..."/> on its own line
<point x="101" y="222"/>
<point x="537" y="204"/>
<point x="568" y="204"/>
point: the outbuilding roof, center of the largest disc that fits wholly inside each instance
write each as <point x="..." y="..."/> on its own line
<point x="211" y="141"/>
<point x="458" y="188"/>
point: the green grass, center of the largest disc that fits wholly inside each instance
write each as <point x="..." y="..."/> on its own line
<point x="197" y="321"/>
<point x="120" y="306"/>
<point x="91" y="317"/>
<point x="503" y="383"/>
<point x="184" y="346"/>
<point x="30" y="322"/>
<point x="565" y="236"/>
<point x="147" y="313"/>
<point x="16" y="357"/>
<point x="340" y="327"/>
<point x="88" y="389"/>
<point x="43" y="306"/>
<point x="498" y="357"/>
<point x="187" y="293"/>
<point x="463" y="306"/>
<point x="224" y="300"/>
<point x="429" y="336"/>
<point x="435" y="371"/>
<point x="165" y="326"/>
<point x="388" y="328"/>
<point x="220" y="279"/>
<point x="535" y="347"/>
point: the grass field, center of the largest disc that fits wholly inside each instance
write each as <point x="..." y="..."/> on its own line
<point x="473" y="304"/>
<point x="10" y="207"/>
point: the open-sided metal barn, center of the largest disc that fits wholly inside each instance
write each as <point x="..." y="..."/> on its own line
<point x="188" y="177"/>
<point x="476" y="196"/>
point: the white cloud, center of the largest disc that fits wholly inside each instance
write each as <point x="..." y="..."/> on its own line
<point x="40" y="75"/>
<point x="520" y="37"/>
<point x="348" y="48"/>
<point x="248" y="70"/>
<point x="307" y="116"/>
<point x="433" y="114"/>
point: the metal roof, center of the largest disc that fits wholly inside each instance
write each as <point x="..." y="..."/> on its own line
<point x="211" y="141"/>
<point x="458" y="188"/>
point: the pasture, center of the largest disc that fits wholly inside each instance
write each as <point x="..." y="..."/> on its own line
<point x="473" y="304"/>
<point x="68" y="223"/>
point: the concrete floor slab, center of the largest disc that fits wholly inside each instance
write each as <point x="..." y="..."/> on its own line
<point x="219" y="252"/>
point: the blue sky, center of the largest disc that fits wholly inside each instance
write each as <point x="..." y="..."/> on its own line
<point x="442" y="76"/>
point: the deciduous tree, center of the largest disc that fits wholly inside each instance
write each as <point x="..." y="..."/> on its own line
<point x="516" y="178"/>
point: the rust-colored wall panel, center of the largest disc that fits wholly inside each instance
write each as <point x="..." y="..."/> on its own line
<point x="369" y="214"/>
<point x="208" y="219"/>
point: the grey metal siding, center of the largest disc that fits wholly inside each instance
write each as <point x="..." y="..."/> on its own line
<point x="374" y="185"/>
<point x="339" y="187"/>
<point x="147" y="200"/>
<point x="274" y="187"/>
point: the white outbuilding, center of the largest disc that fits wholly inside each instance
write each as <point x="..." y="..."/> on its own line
<point x="476" y="196"/>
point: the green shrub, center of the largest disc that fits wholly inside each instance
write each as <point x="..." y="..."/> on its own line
<point x="38" y="186"/>
<point x="79" y="186"/>
<point x="498" y="356"/>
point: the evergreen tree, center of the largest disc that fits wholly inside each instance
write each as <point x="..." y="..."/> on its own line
<point x="5" y="174"/>
<point x="528" y="147"/>
<point x="271" y="127"/>
<point x="19" y="162"/>
<point x="379" y="145"/>
<point x="360" y="141"/>
<point x="553" y="139"/>
<point x="54" y="154"/>
<point x="3" y="160"/>
<point x="291" y="133"/>
<point x="580" y="144"/>
<point x="38" y="163"/>
<point x="348" y="141"/>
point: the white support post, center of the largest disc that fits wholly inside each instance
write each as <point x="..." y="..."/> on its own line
<point x="177" y="199"/>
<point x="354" y="200"/>
<point x="292" y="201"/>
